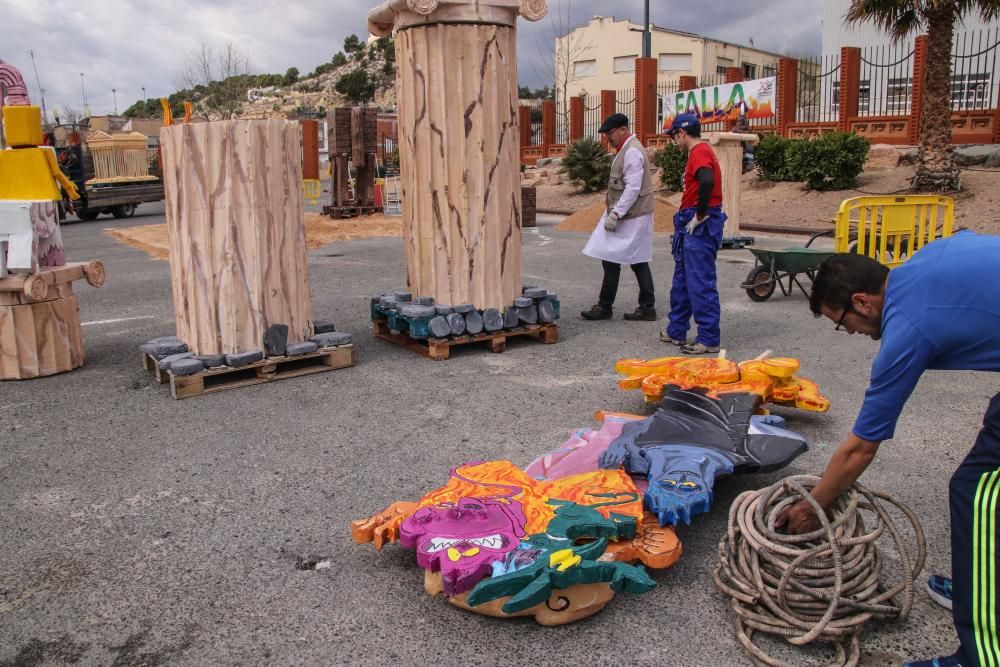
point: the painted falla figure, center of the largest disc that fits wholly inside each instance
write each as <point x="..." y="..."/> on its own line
<point x="624" y="234"/>
<point x="698" y="227"/>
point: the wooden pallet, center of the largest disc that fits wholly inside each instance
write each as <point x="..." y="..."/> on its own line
<point x="267" y="370"/>
<point x="338" y="212"/>
<point x="439" y="349"/>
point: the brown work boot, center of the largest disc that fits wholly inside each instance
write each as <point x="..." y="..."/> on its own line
<point x="642" y="315"/>
<point x="597" y="312"/>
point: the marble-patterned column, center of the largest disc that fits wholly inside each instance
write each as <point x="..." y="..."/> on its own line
<point x="459" y="153"/>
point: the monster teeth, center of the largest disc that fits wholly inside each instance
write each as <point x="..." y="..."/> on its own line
<point x="439" y="543"/>
<point x="490" y="541"/>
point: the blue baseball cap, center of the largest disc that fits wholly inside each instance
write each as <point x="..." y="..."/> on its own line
<point x="682" y="121"/>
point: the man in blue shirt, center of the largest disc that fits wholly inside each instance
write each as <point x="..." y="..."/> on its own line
<point x="938" y="311"/>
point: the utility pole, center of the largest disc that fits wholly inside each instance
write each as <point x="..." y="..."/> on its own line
<point x="144" y="101"/>
<point x="83" y="90"/>
<point x="41" y="90"/>
<point x="647" y="37"/>
<point x="115" y="93"/>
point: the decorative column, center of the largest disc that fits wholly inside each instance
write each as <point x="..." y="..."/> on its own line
<point x="234" y="214"/>
<point x="919" y="86"/>
<point x="788" y="94"/>
<point x="850" y="86"/>
<point x="645" y="98"/>
<point x="728" y="147"/>
<point x="576" y="112"/>
<point x="459" y="144"/>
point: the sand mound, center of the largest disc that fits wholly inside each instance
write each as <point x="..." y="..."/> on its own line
<point x="586" y="219"/>
<point x="320" y="231"/>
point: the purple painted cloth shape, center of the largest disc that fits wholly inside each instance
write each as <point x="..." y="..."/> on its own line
<point x="463" y="539"/>
<point x="581" y="453"/>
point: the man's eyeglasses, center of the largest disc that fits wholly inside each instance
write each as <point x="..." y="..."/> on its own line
<point x="840" y="322"/>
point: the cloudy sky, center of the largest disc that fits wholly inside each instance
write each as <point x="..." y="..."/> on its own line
<point x="123" y="45"/>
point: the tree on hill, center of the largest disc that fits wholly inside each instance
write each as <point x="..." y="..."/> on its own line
<point x="353" y="46"/>
<point x="220" y="79"/>
<point x="356" y="86"/>
<point x="291" y="76"/>
<point x="339" y="59"/>
<point x="936" y="169"/>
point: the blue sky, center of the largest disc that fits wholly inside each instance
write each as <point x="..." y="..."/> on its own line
<point x="125" y="45"/>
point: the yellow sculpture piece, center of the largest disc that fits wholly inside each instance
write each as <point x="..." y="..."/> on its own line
<point x="775" y="380"/>
<point x="27" y="172"/>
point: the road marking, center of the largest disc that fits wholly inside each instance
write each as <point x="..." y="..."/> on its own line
<point x="543" y="239"/>
<point x="123" y="319"/>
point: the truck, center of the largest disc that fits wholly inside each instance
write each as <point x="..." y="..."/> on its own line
<point x="117" y="199"/>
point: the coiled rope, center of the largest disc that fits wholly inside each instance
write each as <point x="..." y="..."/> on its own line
<point x="820" y="586"/>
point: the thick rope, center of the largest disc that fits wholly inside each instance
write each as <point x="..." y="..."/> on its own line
<point x="820" y="586"/>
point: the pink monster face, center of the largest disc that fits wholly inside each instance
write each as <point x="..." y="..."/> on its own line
<point x="463" y="539"/>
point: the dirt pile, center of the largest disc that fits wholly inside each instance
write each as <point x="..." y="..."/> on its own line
<point x="586" y="218"/>
<point x="320" y="231"/>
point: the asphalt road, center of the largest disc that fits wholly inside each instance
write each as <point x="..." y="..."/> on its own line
<point x="140" y="530"/>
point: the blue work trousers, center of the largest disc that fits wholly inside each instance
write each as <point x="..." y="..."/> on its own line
<point x="695" y="288"/>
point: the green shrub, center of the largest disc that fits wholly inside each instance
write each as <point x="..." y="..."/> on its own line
<point x="588" y="164"/>
<point x="830" y="162"/>
<point x="769" y="156"/>
<point x="671" y="160"/>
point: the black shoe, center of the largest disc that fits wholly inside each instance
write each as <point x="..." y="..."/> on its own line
<point x="642" y="314"/>
<point x="597" y="312"/>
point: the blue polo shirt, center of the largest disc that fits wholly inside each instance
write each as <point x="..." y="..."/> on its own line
<point x="941" y="312"/>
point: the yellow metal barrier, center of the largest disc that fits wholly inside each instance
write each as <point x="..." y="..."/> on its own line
<point x="891" y="229"/>
<point x="311" y="190"/>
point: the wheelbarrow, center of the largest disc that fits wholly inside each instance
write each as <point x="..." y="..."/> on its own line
<point x="781" y="268"/>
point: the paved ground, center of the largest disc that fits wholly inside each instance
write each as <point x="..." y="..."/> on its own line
<point x="139" y="530"/>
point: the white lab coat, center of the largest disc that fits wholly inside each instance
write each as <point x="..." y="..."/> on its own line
<point x="632" y="240"/>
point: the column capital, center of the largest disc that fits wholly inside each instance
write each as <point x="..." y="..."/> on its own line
<point x="394" y="15"/>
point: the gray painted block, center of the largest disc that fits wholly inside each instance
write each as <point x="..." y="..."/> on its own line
<point x="528" y="315"/>
<point x="464" y="308"/>
<point x="415" y="311"/>
<point x="443" y="310"/>
<point x="388" y="302"/>
<point x="457" y="324"/>
<point x="165" y="362"/>
<point x="551" y="296"/>
<point x="304" y="347"/>
<point x="523" y="302"/>
<point x="323" y="326"/>
<point x="526" y="287"/>
<point x="332" y="338"/>
<point x="161" y="350"/>
<point x="276" y="340"/>
<point x="546" y="313"/>
<point x="510" y="319"/>
<point x="211" y="360"/>
<point x="492" y="320"/>
<point x="439" y="327"/>
<point x="424" y="301"/>
<point x="536" y="293"/>
<point x="189" y="366"/>
<point x="402" y="296"/>
<point x="474" y="322"/>
<point x="244" y="358"/>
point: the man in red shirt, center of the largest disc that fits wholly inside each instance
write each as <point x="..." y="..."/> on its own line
<point x="698" y="227"/>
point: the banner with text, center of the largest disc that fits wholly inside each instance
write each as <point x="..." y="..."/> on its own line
<point x="727" y="101"/>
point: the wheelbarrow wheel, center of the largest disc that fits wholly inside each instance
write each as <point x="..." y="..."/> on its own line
<point x="760" y="284"/>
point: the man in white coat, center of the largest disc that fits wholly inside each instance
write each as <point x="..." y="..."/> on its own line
<point x="624" y="234"/>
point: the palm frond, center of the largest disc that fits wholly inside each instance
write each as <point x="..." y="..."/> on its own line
<point x="897" y="17"/>
<point x="988" y="10"/>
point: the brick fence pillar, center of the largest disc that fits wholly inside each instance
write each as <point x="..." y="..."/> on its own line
<point x="734" y="74"/>
<point x="524" y="120"/>
<point x="919" y="85"/>
<point x="609" y="105"/>
<point x="548" y="123"/>
<point x="787" y="94"/>
<point x="645" y="97"/>
<point x="850" y="86"/>
<point x="310" y="149"/>
<point x="576" y="106"/>
<point x="688" y="83"/>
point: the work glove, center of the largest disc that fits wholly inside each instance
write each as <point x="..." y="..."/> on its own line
<point x="693" y="225"/>
<point x="611" y="221"/>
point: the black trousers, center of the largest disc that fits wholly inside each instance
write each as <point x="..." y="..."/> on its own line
<point x="609" y="287"/>
<point x="974" y="497"/>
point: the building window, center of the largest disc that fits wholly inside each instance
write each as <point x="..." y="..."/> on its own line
<point x="720" y="70"/>
<point x="970" y="91"/>
<point x="624" y="64"/>
<point x="769" y="70"/>
<point x="675" y="62"/>
<point x="749" y="71"/>
<point x="582" y="68"/>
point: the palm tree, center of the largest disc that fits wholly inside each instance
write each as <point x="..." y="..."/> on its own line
<point x="936" y="169"/>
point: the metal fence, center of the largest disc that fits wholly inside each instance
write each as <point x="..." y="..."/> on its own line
<point x="592" y="115"/>
<point x="974" y="79"/>
<point x="625" y="103"/>
<point x="886" y="86"/>
<point x="535" y="135"/>
<point x="665" y="91"/>
<point x="818" y="89"/>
